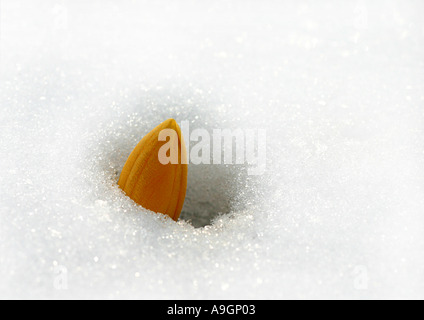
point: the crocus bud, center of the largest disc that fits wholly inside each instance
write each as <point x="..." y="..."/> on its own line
<point x="155" y="173"/>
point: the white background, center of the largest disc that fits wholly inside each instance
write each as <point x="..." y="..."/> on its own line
<point x="338" y="85"/>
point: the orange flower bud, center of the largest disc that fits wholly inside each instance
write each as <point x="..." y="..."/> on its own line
<point x="151" y="178"/>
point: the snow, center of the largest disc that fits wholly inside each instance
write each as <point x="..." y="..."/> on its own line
<point x="337" y="85"/>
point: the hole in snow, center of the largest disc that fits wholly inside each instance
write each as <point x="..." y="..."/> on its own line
<point x="211" y="191"/>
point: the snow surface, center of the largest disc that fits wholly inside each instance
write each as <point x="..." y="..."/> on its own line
<point x="338" y="85"/>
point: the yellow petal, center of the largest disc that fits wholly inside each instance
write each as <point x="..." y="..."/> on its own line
<point x="156" y="186"/>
